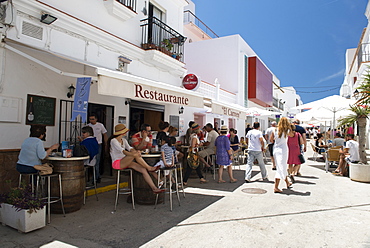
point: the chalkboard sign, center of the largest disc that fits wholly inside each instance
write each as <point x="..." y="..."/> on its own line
<point x="40" y="110"/>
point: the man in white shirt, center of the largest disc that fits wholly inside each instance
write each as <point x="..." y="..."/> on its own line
<point x="271" y="144"/>
<point x="210" y="144"/>
<point x="99" y="133"/>
<point x="254" y="140"/>
<point x="350" y="154"/>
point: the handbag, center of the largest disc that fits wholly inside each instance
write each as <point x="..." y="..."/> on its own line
<point x="44" y="169"/>
<point x="301" y="158"/>
<point x="193" y="160"/>
<point x="80" y="151"/>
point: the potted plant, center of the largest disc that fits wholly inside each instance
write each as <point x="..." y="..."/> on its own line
<point x="360" y="112"/>
<point x="167" y="44"/>
<point x="22" y="209"/>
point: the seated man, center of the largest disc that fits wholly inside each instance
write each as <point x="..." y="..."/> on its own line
<point x="350" y="153"/>
<point x="142" y="140"/>
<point x="338" y="140"/>
<point x="209" y="144"/>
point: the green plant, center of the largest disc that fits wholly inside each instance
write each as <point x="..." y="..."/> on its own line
<point x="23" y="198"/>
<point x="167" y="43"/>
<point x="359" y="116"/>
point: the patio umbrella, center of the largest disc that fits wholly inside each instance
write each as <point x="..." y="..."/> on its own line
<point x="260" y="112"/>
<point x="330" y="107"/>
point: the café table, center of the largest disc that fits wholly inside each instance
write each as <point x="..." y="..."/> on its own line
<point x="142" y="192"/>
<point x="73" y="182"/>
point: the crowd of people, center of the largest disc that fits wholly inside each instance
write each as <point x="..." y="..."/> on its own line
<point x="285" y="141"/>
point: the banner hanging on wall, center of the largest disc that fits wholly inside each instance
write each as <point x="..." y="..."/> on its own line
<point x="81" y="98"/>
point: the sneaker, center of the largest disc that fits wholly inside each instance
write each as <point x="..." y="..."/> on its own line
<point x="265" y="179"/>
<point x="274" y="168"/>
<point x="247" y="180"/>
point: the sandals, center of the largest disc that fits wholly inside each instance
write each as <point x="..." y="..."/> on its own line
<point x="233" y="181"/>
<point x="203" y="181"/>
<point x="221" y="181"/>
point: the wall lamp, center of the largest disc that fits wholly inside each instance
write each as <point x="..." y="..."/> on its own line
<point x="48" y="19"/>
<point x="181" y="110"/>
<point x="127" y="102"/>
<point x="71" y="91"/>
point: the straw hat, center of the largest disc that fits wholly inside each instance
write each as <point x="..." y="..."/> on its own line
<point x="195" y="126"/>
<point x="223" y="128"/>
<point x="120" y="129"/>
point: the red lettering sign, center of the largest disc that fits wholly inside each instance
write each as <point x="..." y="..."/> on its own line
<point x="159" y="96"/>
<point x="190" y="82"/>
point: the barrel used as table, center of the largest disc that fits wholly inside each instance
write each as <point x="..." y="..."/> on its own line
<point x="73" y="183"/>
<point x="143" y="193"/>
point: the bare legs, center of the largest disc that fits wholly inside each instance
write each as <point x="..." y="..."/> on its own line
<point x="230" y="172"/>
<point x="140" y="166"/>
<point x="276" y="186"/>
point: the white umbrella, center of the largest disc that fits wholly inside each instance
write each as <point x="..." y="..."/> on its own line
<point x="260" y="112"/>
<point x="330" y="102"/>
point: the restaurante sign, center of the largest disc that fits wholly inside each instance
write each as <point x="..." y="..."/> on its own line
<point x="159" y="96"/>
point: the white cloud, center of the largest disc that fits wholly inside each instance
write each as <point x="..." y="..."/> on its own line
<point x="335" y="75"/>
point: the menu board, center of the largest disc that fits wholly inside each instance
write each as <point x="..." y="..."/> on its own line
<point x="174" y="121"/>
<point x="40" y="110"/>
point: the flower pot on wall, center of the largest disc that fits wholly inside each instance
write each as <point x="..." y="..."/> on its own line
<point x="359" y="172"/>
<point x="22" y="220"/>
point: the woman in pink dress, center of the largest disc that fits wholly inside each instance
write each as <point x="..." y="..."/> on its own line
<point x="294" y="147"/>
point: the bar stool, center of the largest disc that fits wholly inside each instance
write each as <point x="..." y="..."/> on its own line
<point x="169" y="169"/>
<point x="51" y="199"/>
<point x="179" y="168"/>
<point x="89" y="164"/>
<point x="128" y="190"/>
<point x="31" y="177"/>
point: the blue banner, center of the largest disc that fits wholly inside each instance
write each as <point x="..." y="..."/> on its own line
<point x="81" y="100"/>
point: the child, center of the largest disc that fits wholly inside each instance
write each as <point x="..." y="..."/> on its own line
<point x="167" y="157"/>
<point x="89" y="141"/>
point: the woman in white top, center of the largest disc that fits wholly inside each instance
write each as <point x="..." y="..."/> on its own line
<point x="123" y="156"/>
<point x="280" y="136"/>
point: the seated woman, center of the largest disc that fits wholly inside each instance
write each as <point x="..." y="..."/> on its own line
<point x="234" y="140"/>
<point x="89" y="141"/>
<point x="320" y="146"/>
<point x="33" y="151"/>
<point x="243" y="144"/>
<point x="123" y="156"/>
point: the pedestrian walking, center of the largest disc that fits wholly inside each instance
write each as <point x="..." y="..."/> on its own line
<point x="255" y="142"/>
<point x="294" y="147"/>
<point x="224" y="155"/>
<point x="280" y="136"/>
<point x="268" y="133"/>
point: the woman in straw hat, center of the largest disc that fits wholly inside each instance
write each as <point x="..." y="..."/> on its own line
<point x="193" y="158"/>
<point x="123" y="156"/>
<point x="224" y="155"/>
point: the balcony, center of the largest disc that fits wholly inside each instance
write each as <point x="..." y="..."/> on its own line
<point x="189" y="17"/>
<point x="157" y="35"/>
<point x="122" y="9"/>
<point x="131" y="4"/>
<point x="363" y="54"/>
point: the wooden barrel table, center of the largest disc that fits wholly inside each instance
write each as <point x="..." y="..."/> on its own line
<point x="143" y="193"/>
<point x="73" y="183"/>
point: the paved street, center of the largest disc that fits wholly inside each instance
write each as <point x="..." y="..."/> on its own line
<point x="321" y="210"/>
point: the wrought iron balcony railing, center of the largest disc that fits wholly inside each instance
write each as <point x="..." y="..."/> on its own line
<point x="159" y="36"/>
<point x="363" y="54"/>
<point x="190" y="17"/>
<point x="131" y="4"/>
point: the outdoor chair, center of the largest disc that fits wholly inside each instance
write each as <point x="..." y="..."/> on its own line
<point x="124" y="191"/>
<point x="332" y="155"/>
<point x="170" y="170"/>
<point x="315" y="153"/>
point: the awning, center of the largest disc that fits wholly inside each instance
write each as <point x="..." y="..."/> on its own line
<point x="228" y="110"/>
<point x="114" y="83"/>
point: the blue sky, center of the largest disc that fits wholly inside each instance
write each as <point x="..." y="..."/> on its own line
<point x="303" y="42"/>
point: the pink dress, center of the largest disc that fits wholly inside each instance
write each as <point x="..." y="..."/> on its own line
<point x="294" y="149"/>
